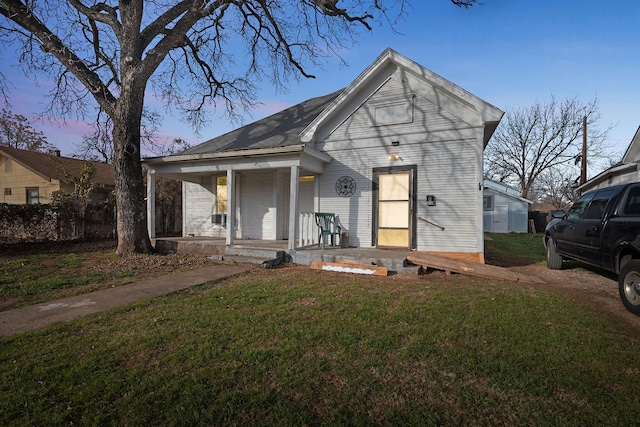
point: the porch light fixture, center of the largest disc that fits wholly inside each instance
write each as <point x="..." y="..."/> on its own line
<point x="394" y="157"/>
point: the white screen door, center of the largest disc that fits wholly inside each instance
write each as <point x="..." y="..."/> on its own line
<point x="394" y="209"/>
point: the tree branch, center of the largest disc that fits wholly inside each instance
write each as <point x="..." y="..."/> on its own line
<point x="19" y="13"/>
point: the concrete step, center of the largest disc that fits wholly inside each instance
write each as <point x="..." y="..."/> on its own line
<point x="393" y="265"/>
<point x="255" y="252"/>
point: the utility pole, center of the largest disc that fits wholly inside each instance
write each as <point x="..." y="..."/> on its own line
<point x="583" y="171"/>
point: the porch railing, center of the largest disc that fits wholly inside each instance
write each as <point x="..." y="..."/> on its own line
<point x="307" y="229"/>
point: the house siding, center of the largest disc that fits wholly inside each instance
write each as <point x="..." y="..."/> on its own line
<point x="617" y="179"/>
<point x="394" y="93"/>
<point x="447" y="151"/>
<point x="456" y="199"/>
<point x="17" y="178"/>
<point x="257" y="207"/>
<point x="199" y="200"/>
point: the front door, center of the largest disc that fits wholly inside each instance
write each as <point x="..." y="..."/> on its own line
<point x="394" y="209"/>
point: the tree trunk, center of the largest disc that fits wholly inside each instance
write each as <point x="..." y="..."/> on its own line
<point x="133" y="236"/>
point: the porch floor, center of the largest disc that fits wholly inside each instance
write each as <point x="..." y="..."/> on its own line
<point x="394" y="260"/>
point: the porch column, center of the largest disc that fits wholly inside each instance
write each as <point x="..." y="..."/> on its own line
<point x="231" y="206"/>
<point x="151" y="203"/>
<point x="294" y="209"/>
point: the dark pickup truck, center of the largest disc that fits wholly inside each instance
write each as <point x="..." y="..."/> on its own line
<point x="602" y="229"/>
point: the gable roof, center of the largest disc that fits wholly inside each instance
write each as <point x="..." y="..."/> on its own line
<point x="51" y="166"/>
<point x="376" y="74"/>
<point x="633" y="150"/>
<point x="297" y="125"/>
<point x="630" y="162"/>
<point x="281" y="129"/>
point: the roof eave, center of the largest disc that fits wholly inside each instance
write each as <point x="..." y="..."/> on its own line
<point x="239" y="154"/>
<point x="608" y="173"/>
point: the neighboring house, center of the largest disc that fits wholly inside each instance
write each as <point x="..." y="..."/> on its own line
<point x="628" y="170"/>
<point x="504" y="210"/>
<point x="397" y="156"/>
<point x="30" y="177"/>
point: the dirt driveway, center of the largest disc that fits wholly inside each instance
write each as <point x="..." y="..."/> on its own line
<point x="595" y="287"/>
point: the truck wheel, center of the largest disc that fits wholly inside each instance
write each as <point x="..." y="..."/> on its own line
<point x="629" y="286"/>
<point x="554" y="261"/>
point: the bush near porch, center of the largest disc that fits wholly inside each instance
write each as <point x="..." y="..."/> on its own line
<point x="288" y="347"/>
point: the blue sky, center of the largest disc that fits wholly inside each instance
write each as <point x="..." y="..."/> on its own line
<point x="511" y="53"/>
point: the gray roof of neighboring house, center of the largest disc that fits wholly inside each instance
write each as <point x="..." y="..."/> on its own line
<point x="278" y="130"/>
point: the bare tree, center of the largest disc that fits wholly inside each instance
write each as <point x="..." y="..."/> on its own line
<point x="530" y="141"/>
<point x="557" y="187"/>
<point x="98" y="145"/>
<point x="17" y="132"/>
<point x="192" y="53"/>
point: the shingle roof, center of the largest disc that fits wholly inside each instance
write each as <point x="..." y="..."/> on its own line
<point x="54" y="167"/>
<point x="278" y="130"/>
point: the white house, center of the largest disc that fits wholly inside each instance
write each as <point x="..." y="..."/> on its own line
<point x="504" y="211"/>
<point x="396" y="156"/>
<point x="628" y="170"/>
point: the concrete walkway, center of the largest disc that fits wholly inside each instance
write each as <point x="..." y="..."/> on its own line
<point x="62" y="310"/>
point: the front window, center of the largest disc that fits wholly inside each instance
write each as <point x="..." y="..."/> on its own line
<point x="221" y="193"/>
<point x="33" y="196"/>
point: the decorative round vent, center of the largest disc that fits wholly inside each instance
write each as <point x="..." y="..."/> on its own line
<point x="346" y="186"/>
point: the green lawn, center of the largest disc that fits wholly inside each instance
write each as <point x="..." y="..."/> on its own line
<point x="507" y="250"/>
<point x="39" y="272"/>
<point x="294" y="347"/>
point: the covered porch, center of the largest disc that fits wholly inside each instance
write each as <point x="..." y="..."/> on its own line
<point x="269" y="195"/>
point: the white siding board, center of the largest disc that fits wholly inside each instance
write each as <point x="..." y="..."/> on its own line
<point x="450" y="175"/>
<point x="442" y="145"/>
<point x="354" y="213"/>
<point x="198" y="208"/>
<point x="445" y="169"/>
<point x="427" y="116"/>
<point x="621" y="178"/>
<point x="257" y="209"/>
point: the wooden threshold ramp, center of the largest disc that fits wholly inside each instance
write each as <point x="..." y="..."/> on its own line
<point x="471" y="268"/>
<point x="349" y="266"/>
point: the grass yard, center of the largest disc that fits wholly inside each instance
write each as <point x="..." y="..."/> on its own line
<point x="34" y="273"/>
<point x="512" y="249"/>
<point x="293" y="347"/>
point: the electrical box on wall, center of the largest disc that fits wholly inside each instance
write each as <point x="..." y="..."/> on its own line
<point x="431" y="200"/>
